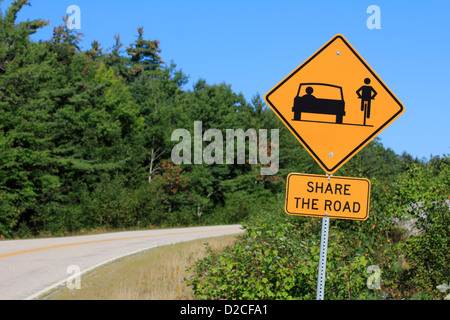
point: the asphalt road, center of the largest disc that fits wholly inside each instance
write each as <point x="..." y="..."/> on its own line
<point x="31" y="267"/>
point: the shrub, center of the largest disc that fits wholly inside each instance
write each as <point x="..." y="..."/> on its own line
<point x="427" y="252"/>
<point x="261" y="265"/>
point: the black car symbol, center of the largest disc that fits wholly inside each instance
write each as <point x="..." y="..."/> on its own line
<point x="308" y="103"/>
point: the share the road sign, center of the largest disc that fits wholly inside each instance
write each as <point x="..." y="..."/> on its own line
<point x="334" y="104"/>
<point x="327" y="196"/>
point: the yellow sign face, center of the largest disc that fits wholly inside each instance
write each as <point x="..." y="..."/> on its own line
<point x="327" y="196"/>
<point x="334" y="104"/>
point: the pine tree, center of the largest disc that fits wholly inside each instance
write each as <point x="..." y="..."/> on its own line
<point x="144" y="54"/>
<point x="96" y="52"/>
<point x="14" y="38"/>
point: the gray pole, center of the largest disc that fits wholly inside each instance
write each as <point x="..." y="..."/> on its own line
<point x="322" y="258"/>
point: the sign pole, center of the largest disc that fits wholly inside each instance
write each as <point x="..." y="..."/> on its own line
<point x="323" y="255"/>
<point x="322" y="258"/>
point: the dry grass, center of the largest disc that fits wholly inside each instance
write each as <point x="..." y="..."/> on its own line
<point x="155" y="274"/>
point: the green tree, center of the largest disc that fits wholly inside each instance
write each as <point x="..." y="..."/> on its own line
<point x="144" y="54"/>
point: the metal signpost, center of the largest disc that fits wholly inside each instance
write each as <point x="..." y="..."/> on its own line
<point x="322" y="258"/>
<point x="334" y="104"/>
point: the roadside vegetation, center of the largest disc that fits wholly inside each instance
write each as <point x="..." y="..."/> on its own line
<point x="400" y="252"/>
<point x="85" y="144"/>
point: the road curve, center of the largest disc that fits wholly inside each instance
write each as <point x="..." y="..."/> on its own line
<point x="29" y="268"/>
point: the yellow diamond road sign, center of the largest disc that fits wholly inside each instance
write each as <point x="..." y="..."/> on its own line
<point x="334" y="104"/>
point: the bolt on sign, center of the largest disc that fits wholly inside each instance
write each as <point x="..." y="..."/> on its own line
<point x="334" y="104"/>
<point x="327" y="196"/>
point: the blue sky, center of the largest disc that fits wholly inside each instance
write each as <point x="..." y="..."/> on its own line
<point x="252" y="45"/>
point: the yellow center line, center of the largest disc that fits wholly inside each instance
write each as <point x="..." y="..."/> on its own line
<point x="105" y="240"/>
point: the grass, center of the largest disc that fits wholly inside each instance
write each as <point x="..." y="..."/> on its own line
<point x="155" y="274"/>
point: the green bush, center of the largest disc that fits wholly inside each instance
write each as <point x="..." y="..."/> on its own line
<point x="261" y="265"/>
<point x="277" y="261"/>
<point x="427" y="253"/>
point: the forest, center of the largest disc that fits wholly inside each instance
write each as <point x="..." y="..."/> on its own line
<point x="86" y="144"/>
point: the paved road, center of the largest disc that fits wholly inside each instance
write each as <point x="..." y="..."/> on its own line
<point x="30" y="267"/>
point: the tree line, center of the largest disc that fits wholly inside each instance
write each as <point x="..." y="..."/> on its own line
<point x="86" y="142"/>
<point x="85" y="138"/>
